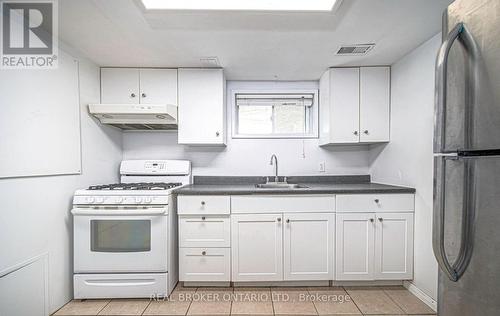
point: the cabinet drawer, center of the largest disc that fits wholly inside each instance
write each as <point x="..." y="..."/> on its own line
<point x="282" y="203"/>
<point x="204" y="264"/>
<point x="376" y="203"/>
<point x="203" y="204"/>
<point x="204" y="231"/>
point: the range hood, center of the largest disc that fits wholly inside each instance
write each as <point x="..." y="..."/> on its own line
<point x="136" y="116"/>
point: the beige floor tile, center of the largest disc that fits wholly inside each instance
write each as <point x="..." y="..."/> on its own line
<point x="125" y="307"/>
<point x="292" y="301"/>
<point x="408" y="302"/>
<point x="211" y="301"/>
<point x="167" y="307"/>
<point x="333" y="301"/>
<point x="210" y="308"/>
<point x="373" y="301"/>
<point x="252" y="301"/>
<point x="85" y="307"/>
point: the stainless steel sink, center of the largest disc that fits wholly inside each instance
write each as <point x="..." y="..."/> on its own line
<point x="280" y="185"/>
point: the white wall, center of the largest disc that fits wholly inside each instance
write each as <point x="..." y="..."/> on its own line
<point x="250" y="156"/>
<point x="407" y="159"/>
<point x="35" y="212"/>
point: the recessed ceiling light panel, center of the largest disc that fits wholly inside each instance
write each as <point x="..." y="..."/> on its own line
<point x="242" y="5"/>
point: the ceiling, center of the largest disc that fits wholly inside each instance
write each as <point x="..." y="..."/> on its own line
<point x="249" y="45"/>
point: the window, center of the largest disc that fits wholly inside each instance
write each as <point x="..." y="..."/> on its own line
<point x="272" y="115"/>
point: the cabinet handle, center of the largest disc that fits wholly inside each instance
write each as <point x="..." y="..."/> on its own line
<point x="380" y="219"/>
<point x="355" y="133"/>
<point x="279" y="219"/>
<point x="372" y="220"/>
<point x="132" y="95"/>
<point x="217" y="134"/>
<point x="143" y="95"/>
<point x="202" y="202"/>
<point x="288" y="220"/>
<point x="377" y="200"/>
<point x="203" y="218"/>
<point x="203" y="253"/>
<point x="366" y="132"/>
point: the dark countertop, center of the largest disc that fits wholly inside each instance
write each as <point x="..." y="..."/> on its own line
<point x="316" y="185"/>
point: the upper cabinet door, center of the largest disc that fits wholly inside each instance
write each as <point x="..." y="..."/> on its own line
<point x="308" y="246"/>
<point x="120" y="85"/>
<point x="256" y="246"/>
<point x="201" y="107"/>
<point x="394" y="246"/>
<point x="354" y="246"/>
<point x="158" y="86"/>
<point x="339" y="106"/>
<point x="374" y="104"/>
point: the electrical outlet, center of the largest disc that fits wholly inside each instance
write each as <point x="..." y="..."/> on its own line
<point x="322" y="166"/>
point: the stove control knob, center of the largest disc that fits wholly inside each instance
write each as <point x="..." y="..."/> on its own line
<point x="119" y="200"/>
<point x="99" y="200"/>
<point x="138" y="200"/>
<point x="147" y="200"/>
<point x="90" y="199"/>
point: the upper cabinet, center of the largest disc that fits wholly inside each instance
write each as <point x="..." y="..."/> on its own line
<point x="355" y="105"/>
<point x="138" y="86"/>
<point x="202" y="107"/>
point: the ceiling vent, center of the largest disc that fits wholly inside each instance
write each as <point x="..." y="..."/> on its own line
<point x="357" y="49"/>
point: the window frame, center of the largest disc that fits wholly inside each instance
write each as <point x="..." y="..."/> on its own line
<point x="313" y="120"/>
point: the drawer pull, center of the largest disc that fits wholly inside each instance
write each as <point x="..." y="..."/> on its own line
<point x="278" y="219"/>
<point x="202" y="202"/>
<point x="203" y="253"/>
<point x="380" y="219"/>
<point x="377" y="200"/>
<point x="288" y="220"/>
<point x="203" y="218"/>
<point x="372" y="220"/>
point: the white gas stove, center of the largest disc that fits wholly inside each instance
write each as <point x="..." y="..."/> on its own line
<point x="125" y="234"/>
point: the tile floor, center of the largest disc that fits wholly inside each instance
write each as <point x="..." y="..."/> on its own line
<point x="262" y="301"/>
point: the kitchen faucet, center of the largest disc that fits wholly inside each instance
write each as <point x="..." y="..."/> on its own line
<point x="273" y="157"/>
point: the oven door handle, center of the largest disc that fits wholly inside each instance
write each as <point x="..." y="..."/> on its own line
<point x="103" y="211"/>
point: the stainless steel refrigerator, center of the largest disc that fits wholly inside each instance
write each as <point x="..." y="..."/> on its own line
<point x="466" y="223"/>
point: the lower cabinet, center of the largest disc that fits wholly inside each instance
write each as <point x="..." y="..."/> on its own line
<point x="277" y="247"/>
<point x="374" y="246"/>
<point x="257" y="247"/>
<point x="308" y="246"/>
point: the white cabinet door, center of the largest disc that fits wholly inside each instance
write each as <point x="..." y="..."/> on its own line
<point x="354" y="246"/>
<point x="344" y="93"/>
<point x="374" y="104"/>
<point x="257" y="247"/>
<point x="201" y="106"/>
<point x="158" y="86"/>
<point x="308" y="246"/>
<point x="120" y="85"/>
<point x="394" y="246"/>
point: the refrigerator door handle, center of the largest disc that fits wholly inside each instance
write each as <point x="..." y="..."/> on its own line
<point x="462" y="33"/>
<point x="438" y="219"/>
<point x="457" y="269"/>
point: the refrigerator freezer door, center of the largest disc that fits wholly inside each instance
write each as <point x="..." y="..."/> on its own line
<point x="482" y="19"/>
<point x="477" y="292"/>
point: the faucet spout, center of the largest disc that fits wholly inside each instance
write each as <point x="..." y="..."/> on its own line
<point x="274" y="161"/>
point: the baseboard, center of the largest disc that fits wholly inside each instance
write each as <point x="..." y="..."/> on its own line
<point x="282" y="283"/>
<point x="420" y="294"/>
<point x="206" y="284"/>
<point x="368" y="283"/>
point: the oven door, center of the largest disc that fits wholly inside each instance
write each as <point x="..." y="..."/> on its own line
<point x="114" y="240"/>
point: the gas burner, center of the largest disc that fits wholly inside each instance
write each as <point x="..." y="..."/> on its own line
<point x="136" y="186"/>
